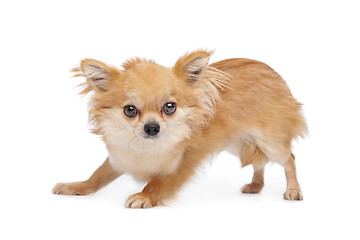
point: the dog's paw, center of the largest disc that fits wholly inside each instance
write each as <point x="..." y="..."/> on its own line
<point x="293" y="194"/>
<point x="139" y="200"/>
<point x="75" y="188"/>
<point x="252" y="188"/>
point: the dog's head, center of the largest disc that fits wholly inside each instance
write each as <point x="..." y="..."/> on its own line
<point x="145" y="104"/>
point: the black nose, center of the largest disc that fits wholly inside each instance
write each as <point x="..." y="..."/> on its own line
<point x="152" y="129"/>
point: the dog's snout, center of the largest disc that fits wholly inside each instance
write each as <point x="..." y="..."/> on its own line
<point x="152" y="129"/>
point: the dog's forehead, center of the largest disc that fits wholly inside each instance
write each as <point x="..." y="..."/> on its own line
<point x="149" y="74"/>
<point x="149" y="81"/>
<point x="148" y="85"/>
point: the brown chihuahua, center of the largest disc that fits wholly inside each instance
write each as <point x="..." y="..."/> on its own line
<point x="159" y="124"/>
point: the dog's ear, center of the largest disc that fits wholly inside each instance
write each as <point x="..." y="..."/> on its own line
<point x="192" y="65"/>
<point x="98" y="74"/>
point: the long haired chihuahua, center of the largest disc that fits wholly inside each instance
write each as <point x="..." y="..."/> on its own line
<point x="159" y="124"/>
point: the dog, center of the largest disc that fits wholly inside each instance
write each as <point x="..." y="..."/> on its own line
<point x="159" y="123"/>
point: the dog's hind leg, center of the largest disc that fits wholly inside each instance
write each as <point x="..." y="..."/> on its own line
<point x="293" y="190"/>
<point x="281" y="153"/>
<point x="257" y="182"/>
<point x="250" y="153"/>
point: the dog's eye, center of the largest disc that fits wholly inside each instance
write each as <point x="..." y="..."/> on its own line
<point x="169" y="108"/>
<point x="130" y="111"/>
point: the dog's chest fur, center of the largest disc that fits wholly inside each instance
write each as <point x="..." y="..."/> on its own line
<point x="143" y="163"/>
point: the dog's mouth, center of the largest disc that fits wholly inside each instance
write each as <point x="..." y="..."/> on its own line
<point x="151" y="137"/>
<point x="144" y="136"/>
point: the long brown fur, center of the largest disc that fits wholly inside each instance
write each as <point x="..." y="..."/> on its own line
<point x="239" y="105"/>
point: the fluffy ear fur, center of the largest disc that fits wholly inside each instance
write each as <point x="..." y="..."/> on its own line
<point x="98" y="74"/>
<point x="192" y="65"/>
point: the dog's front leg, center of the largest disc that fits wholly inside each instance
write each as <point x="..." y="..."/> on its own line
<point x="164" y="187"/>
<point x="100" y="178"/>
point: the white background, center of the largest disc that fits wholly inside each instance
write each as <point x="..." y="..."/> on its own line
<point x="44" y="135"/>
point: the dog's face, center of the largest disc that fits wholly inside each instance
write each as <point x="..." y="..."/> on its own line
<point x="149" y="105"/>
<point x="152" y="105"/>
